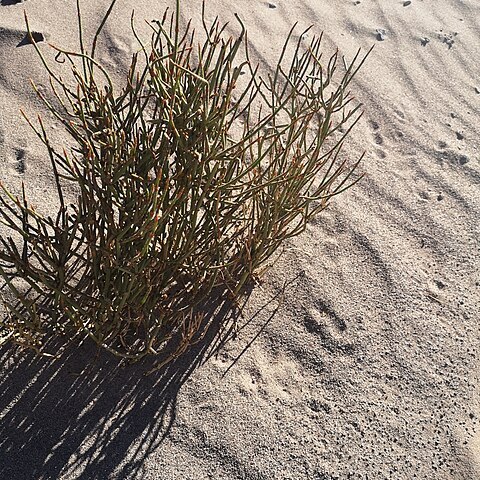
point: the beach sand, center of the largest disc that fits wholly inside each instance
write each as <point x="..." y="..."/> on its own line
<point x="365" y="359"/>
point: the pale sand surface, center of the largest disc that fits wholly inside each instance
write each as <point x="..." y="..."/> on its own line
<point x="364" y="367"/>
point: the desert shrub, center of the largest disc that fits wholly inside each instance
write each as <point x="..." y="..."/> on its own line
<point x="186" y="179"/>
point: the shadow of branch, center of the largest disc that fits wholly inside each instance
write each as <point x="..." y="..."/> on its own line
<point x="86" y="414"/>
<point x="89" y="415"/>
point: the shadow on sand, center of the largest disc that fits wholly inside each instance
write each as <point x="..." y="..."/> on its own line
<point x="81" y="415"/>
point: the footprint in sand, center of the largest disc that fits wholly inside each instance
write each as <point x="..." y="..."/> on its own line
<point x="378" y="139"/>
<point x="329" y="327"/>
<point x="439" y="284"/>
<point x="17" y="161"/>
<point x="447" y="38"/>
<point x="381" y="34"/>
<point x="424" y="195"/>
<point x="20" y="164"/>
<point x="400" y="115"/>
<point x="424" y="41"/>
<point x="451" y="157"/>
<point x="319" y="406"/>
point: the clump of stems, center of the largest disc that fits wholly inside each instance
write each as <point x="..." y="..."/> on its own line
<point x="187" y="178"/>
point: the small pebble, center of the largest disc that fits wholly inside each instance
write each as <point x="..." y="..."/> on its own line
<point x="477" y="90"/>
<point x="407" y="3"/>
<point x="460" y="135"/>
<point x="272" y="5"/>
<point x="424" y="41"/>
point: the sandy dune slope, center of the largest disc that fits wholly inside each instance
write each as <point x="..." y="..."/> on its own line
<point x="366" y="358"/>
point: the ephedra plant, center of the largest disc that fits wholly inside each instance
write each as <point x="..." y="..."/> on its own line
<point x="188" y="178"/>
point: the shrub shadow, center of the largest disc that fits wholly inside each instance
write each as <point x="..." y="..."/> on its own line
<point x="84" y="413"/>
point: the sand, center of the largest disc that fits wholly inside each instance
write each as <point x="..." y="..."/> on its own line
<point x="365" y="359"/>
